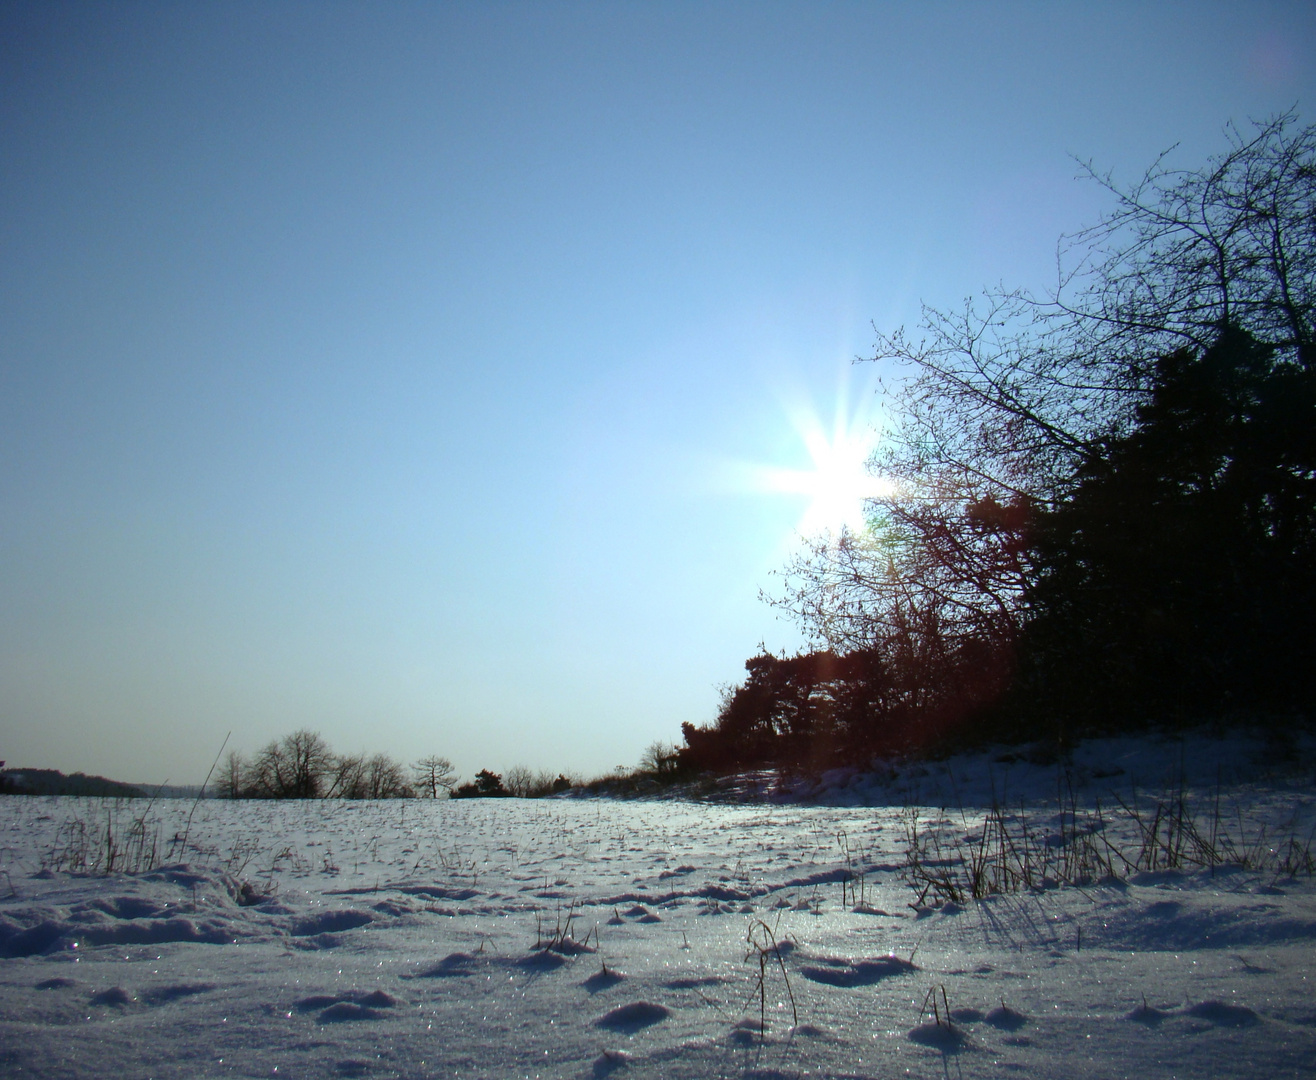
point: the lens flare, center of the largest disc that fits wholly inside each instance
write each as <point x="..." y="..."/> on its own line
<point x="838" y="480"/>
<point x="838" y="484"/>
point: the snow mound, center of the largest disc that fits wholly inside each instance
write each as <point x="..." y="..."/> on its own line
<point x="1222" y="1014"/>
<point x="610" y="1061"/>
<point x="947" y="1038"/>
<point x="1005" y="1018"/>
<point x="848" y="973"/>
<point x="633" y="1017"/>
<point x="603" y="979"/>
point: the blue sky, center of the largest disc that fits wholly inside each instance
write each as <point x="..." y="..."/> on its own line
<point x="399" y="370"/>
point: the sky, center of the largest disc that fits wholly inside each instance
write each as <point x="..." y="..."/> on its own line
<point x="454" y="378"/>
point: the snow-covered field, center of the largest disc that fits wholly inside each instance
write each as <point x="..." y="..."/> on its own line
<point x="589" y="938"/>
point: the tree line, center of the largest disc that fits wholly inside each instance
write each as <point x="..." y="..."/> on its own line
<point x="1104" y="498"/>
<point x="303" y="766"/>
<point x="54" y="782"/>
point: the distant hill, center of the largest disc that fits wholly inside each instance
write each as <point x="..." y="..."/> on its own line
<point x="54" y="782"/>
<point x="175" y="791"/>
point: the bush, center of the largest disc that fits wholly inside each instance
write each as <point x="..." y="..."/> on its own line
<point x="486" y="785"/>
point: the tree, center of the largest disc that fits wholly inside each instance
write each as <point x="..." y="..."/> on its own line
<point x="294" y="767"/>
<point x="660" y="758"/>
<point x="489" y="783"/>
<point x="486" y="785"/>
<point x="518" y="780"/>
<point x="384" y="779"/>
<point x="1016" y="403"/>
<point x="348" y="777"/>
<point x="1179" y="577"/>
<point x="432" y="773"/>
<point x="820" y="709"/>
<point x="231" y="783"/>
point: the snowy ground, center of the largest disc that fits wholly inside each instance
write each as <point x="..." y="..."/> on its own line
<point x="590" y="938"/>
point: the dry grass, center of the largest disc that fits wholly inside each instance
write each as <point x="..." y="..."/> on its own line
<point x="1016" y="852"/>
<point x="109" y="840"/>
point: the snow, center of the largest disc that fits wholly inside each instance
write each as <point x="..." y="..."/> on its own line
<point x="668" y="937"/>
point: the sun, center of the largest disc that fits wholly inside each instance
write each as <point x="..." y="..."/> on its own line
<point x="838" y="484"/>
<point x="838" y="481"/>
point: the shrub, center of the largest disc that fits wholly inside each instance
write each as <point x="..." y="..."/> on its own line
<point x="486" y="785"/>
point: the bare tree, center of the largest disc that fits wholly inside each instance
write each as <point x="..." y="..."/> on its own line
<point x="547" y="783"/>
<point x="519" y="780"/>
<point x="433" y="774"/>
<point x="294" y="767"/>
<point x="659" y="758"/>
<point x="384" y="779"/>
<point x="1012" y="397"/>
<point x="347" y="779"/>
<point x="264" y="775"/>
<point x="231" y="783"/>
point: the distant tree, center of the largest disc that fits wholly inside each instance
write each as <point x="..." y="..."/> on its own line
<point x="346" y="778"/>
<point x="384" y="779"/>
<point x="294" y="767"/>
<point x="545" y="783"/>
<point x="232" y="780"/>
<point x="486" y="785"/>
<point x="432" y="774"/>
<point x="518" y="780"/>
<point x="659" y="759"/>
<point x="489" y="783"/>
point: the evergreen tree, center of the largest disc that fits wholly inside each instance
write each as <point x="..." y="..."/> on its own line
<point x="1176" y="581"/>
